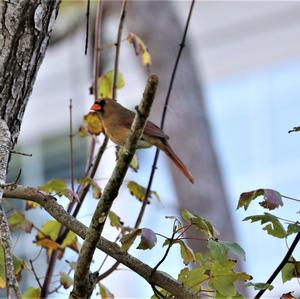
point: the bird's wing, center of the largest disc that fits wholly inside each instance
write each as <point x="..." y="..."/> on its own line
<point x="150" y="129"/>
<point x="153" y="130"/>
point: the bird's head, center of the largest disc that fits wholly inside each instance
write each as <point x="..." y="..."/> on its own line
<point x="99" y="104"/>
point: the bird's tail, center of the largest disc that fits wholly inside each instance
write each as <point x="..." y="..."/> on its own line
<point x="164" y="146"/>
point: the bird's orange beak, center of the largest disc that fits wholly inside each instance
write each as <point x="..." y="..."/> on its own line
<point x="96" y="107"/>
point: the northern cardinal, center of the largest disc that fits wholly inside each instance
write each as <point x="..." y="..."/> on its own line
<point x="117" y="120"/>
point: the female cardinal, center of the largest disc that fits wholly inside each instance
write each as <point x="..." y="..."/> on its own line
<point x="117" y="120"/>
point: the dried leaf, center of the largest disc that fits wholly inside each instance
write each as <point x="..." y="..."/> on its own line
<point x="65" y="280"/>
<point x="128" y="239"/>
<point x="148" y="239"/>
<point x="272" y="198"/>
<point x="18" y="221"/>
<point x="140" y="49"/>
<point x="105" y="292"/>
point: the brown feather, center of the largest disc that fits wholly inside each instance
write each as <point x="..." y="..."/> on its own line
<point x="117" y="121"/>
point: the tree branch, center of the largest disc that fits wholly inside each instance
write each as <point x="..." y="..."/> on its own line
<point x="50" y="204"/>
<point x="84" y="281"/>
<point x="12" y="285"/>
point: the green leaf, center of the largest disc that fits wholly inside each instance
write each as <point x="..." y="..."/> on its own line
<point x="128" y="239"/>
<point x="200" y="223"/>
<point x="218" y="251"/>
<point x="293" y="228"/>
<point x="148" y="239"/>
<point x="18" y="221"/>
<point x="234" y="248"/>
<point x="224" y="284"/>
<point x="50" y="230"/>
<point x="274" y="228"/>
<point x="192" y="278"/>
<point x="290" y="270"/>
<point x="272" y="198"/>
<point x="139" y="191"/>
<point x="65" y="280"/>
<point x="54" y="186"/>
<point x="260" y="286"/>
<point x="105" y="83"/>
<point x="115" y="220"/>
<point x="186" y="252"/>
<point x="105" y="292"/>
<point x="32" y="293"/>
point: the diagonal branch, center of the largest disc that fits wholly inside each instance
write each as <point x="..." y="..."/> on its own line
<point x="12" y="285"/>
<point x="84" y="281"/>
<point x="50" y="204"/>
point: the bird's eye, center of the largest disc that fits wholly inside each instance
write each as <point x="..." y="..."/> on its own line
<point x="102" y="103"/>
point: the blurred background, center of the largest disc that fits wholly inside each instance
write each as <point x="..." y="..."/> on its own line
<point x="235" y="98"/>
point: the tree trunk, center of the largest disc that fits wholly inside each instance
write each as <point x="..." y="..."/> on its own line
<point x="187" y="122"/>
<point x="25" y="27"/>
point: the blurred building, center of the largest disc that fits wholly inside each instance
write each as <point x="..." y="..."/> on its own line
<point x="248" y="58"/>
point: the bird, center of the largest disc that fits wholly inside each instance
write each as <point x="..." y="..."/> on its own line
<point x="117" y="120"/>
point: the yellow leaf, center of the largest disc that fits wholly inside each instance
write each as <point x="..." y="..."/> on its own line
<point x="31" y="205"/>
<point x="139" y="191"/>
<point x="105" y="84"/>
<point x="32" y="293"/>
<point x="92" y="123"/>
<point x="48" y="244"/>
<point x="140" y="49"/>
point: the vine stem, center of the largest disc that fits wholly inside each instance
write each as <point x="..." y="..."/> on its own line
<point x="281" y="265"/>
<point x="164" y="113"/>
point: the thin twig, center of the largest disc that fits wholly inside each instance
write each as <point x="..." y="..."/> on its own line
<point x="34" y="273"/>
<point x="281" y="265"/>
<point x="21" y="153"/>
<point x="154" y="167"/>
<point x="87" y="26"/>
<point x="118" y="46"/>
<point x="71" y="148"/>
<point x="96" y="63"/>
<point x="291" y="198"/>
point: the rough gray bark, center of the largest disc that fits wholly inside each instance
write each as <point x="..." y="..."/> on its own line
<point x="188" y="127"/>
<point x="25" y="27"/>
<point x="12" y="285"/>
